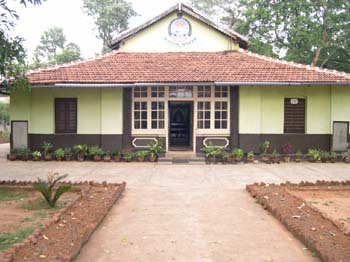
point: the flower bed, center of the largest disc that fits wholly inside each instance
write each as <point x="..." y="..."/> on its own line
<point x="320" y="231"/>
<point x="64" y="234"/>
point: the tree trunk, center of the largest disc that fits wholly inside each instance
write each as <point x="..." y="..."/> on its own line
<point x="316" y="56"/>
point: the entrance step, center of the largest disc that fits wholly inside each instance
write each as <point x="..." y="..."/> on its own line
<point x="183" y="159"/>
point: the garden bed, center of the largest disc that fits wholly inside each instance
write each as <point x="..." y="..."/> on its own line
<point x="317" y="214"/>
<point x="31" y="231"/>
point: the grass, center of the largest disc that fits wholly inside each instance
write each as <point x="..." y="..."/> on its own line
<point x="8" y="239"/>
<point x="39" y="204"/>
<point x="26" y="219"/>
<point x="40" y="214"/>
<point x="9" y="195"/>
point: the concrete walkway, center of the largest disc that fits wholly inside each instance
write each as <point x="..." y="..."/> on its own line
<point x="186" y="213"/>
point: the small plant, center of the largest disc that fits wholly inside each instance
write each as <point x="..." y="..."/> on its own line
<point x="265" y="147"/>
<point x="155" y="149"/>
<point x="46" y="188"/>
<point x="47" y="148"/>
<point x="225" y="156"/>
<point x="14" y="152"/>
<point x="333" y="157"/>
<point x="24" y="153"/>
<point x="237" y="154"/>
<point x="141" y="155"/>
<point x="127" y="156"/>
<point x="59" y="154"/>
<point x="211" y="152"/>
<point x="68" y="153"/>
<point x="314" y="155"/>
<point x="81" y="151"/>
<point x="298" y="156"/>
<point x="116" y="154"/>
<point x="346" y="157"/>
<point x="324" y="155"/>
<point x="286" y="149"/>
<point x="96" y="153"/>
<point x="250" y="156"/>
<point x="275" y="156"/>
<point x="36" y="155"/>
<point x="107" y="156"/>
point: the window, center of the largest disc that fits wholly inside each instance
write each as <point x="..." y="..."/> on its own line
<point x="221" y="113"/>
<point x="65" y="115"/>
<point x="203" y="115"/>
<point x="221" y="91"/>
<point x="140" y="115"/>
<point x="181" y="91"/>
<point x="157" y="115"/>
<point x="294" y="115"/>
<point x="140" y="91"/>
<point x="204" y="91"/>
<point x="157" y="91"/>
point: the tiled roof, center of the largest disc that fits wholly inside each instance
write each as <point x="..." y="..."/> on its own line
<point x="235" y="66"/>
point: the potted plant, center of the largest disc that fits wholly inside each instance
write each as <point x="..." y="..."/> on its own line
<point x="80" y="151"/>
<point x="250" y="156"/>
<point x="24" y="153"/>
<point x="225" y="157"/>
<point x="96" y="153"/>
<point x="107" y="156"/>
<point x="68" y="153"/>
<point x="47" y="147"/>
<point x="36" y="155"/>
<point x="324" y="155"/>
<point x="59" y="154"/>
<point x="13" y="154"/>
<point x="116" y="155"/>
<point x="237" y="154"/>
<point x="141" y="154"/>
<point x="298" y="156"/>
<point x="265" y="148"/>
<point x="286" y="148"/>
<point x="313" y="155"/>
<point x="155" y="149"/>
<point x="346" y="157"/>
<point x="275" y="157"/>
<point x="211" y="153"/>
<point x="333" y="157"/>
<point x="127" y="156"/>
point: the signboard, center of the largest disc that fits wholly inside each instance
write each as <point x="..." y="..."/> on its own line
<point x="180" y="31"/>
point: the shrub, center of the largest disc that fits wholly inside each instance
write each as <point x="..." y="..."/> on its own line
<point x="287" y="149"/>
<point x="67" y="151"/>
<point x="314" y="153"/>
<point x="116" y="152"/>
<point x="250" y="154"/>
<point x="36" y="154"/>
<point x="211" y="150"/>
<point x="156" y="148"/>
<point x="142" y="153"/>
<point x="127" y="156"/>
<point x="95" y="151"/>
<point x="298" y="154"/>
<point x="59" y="153"/>
<point x="275" y="154"/>
<point x="265" y="147"/>
<point x="81" y="149"/>
<point x="237" y="152"/>
<point x="47" y="147"/>
<point x="46" y="188"/>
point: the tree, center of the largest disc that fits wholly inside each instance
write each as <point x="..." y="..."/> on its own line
<point x="53" y="49"/>
<point x="310" y="32"/>
<point x="110" y="16"/>
<point x="4" y="114"/>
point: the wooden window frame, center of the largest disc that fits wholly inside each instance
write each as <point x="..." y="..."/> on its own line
<point x="66" y="130"/>
<point x="287" y="126"/>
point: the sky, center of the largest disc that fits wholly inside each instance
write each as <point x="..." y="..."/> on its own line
<point x="77" y="26"/>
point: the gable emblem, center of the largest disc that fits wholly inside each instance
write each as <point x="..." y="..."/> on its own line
<point x="180" y="31"/>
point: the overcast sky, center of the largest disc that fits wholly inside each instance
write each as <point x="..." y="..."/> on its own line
<point x="77" y="26"/>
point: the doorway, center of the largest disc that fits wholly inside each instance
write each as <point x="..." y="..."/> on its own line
<point x="180" y="126"/>
<point x="340" y="136"/>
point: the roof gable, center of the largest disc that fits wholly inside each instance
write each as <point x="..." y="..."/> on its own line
<point x="181" y="9"/>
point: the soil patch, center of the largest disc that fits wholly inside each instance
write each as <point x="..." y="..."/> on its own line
<point x="312" y="212"/>
<point x="62" y="232"/>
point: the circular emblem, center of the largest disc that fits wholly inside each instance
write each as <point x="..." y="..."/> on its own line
<point x="180" y="30"/>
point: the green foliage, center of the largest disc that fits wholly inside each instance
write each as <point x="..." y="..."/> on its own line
<point x="250" y="154"/>
<point x="23" y="152"/>
<point x="67" y="151"/>
<point x="36" y="154"/>
<point x="211" y="150"/>
<point x="237" y="152"/>
<point x="8" y="239"/>
<point x="38" y="204"/>
<point x="298" y="154"/>
<point x="81" y="149"/>
<point x="59" y="153"/>
<point x="265" y="147"/>
<point x="95" y="151"/>
<point x="4" y="113"/>
<point x="9" y="195"/>
<point x="127" y="156"/>
<point x="47" y="147"/>
<point x="156" y="148"/>
<point x="142" y="153"/>
<point x="275" y="154"/>
<point x="110" y="16"/>
<point x="333" y="155"/>
<point x="53" y="49"/>
<point x="324" y="154"/>
<point x="314" y="153"/>
<point x="116" y="152"/>
<point x="46" y="188"/>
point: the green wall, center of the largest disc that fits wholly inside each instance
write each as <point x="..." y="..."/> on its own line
<point x="261" y="109"/>
<point x="99" y="110"/>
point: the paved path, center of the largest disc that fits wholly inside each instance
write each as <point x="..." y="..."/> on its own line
<point x="186" y="213"/>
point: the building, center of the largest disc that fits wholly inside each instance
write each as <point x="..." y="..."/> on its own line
<point x="183" y="78"/>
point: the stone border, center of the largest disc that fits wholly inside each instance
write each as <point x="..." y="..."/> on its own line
<point x="83" y="188"/>
<point x="314" y="229"/>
